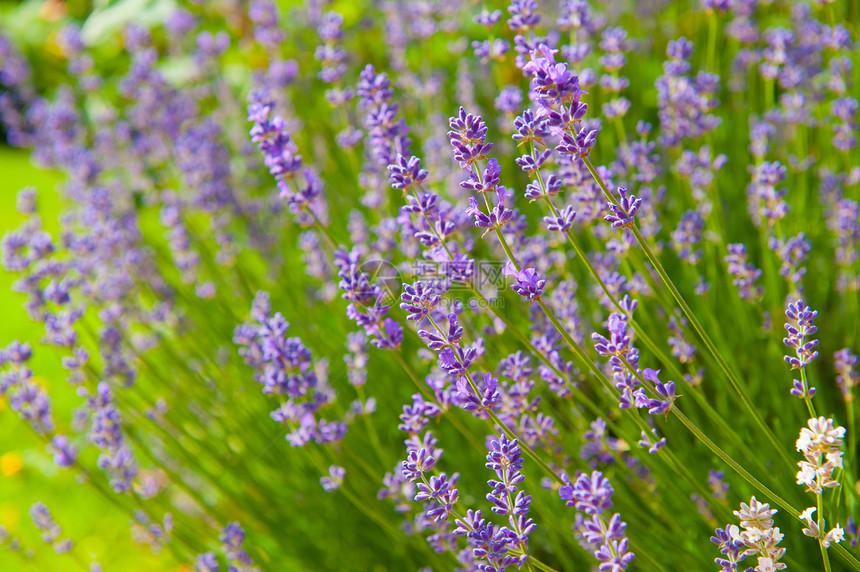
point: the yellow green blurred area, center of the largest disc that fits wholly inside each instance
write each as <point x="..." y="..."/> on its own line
<point x="27" y="471"/>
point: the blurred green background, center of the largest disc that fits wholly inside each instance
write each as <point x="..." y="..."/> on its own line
<point x="27" y="471"/>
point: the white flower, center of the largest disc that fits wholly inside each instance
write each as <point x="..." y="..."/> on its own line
<point x="807" y="514"/>
<point x="755" y="514"/>
<point x="835" y="535"/>
<point x="806" y="475"/>
<point x="765" y="565"/>
<point x="835" y="458"/>
<point x="804" y="441"/>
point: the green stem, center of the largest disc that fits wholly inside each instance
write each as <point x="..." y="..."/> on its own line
<point x="540" y="565"/>
<point x="712" y="41"/>
<point x="667" y="282"/>
<point x="819" y="501"/>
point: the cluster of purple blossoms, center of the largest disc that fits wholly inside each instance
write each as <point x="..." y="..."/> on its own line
<point x="497" y="547"/>
<point x="601" y="534"/>
<point x="844" y="111"/>
<point x="483" y="397"/>
<point x="284" y="367"/>
<point x="577" y="19"/>
<point x="528" y="283"/>
<point x="766" y="201"/>
<point x="613" y="43"/>
<point x="623" y="214"/>
<point x="847" y="372"/>
<point x="50" y="530"/>
<point x="386" y="132"/>
<point x="153" y="534"/>
<point x="419" y="299"/>
<point x="456" y="360"/>
<point x="744" y="272"/>
<point x="331" y="56"/>
<point x="682" y="349"/>
<point x="368" y="303"/>
<point x="792" y="253"/>
<point x="106" y="434"/>
<point x="523" y="21"/>
<point x="686" y="103"/>
<point x="26" y="397"/>
<point x="844" y="222"/>
<point x="281" y="157"/>
<point x="624" y="364"/>
<point x="432" y="223"/>
<point x="416" y="417"/>
<point x="800" y="325"/>
<point x="619" y="349"/>
<point x="700" y="169"/>
<point x="468" y="136"/>
<point x="232" y="539"/>
<point x="334" y="480"/>
<point x="719" y="489"/>
<point x="665" y="393"/>
<point x="267" y="27"/>
<point x="687" y="236"/>
<point x="557" y="92"/>
<point x="494" y="49"/>
<point x="439" y="493"/>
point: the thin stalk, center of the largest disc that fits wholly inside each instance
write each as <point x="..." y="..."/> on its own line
<point x="819" y="502"/>
<point x="667" y="282"/>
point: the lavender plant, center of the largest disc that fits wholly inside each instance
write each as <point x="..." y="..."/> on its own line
<point x="317" y="263"/>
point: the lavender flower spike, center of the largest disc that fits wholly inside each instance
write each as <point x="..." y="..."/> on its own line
<point x="800" y="325"/>
<point x="334" y="479"/>
<point x="529" y="283"/>
<point x="592" y="495"/>
<point x="622" y="215"/>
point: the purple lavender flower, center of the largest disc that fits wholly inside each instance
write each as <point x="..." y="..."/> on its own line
<point x="792" y="252"/>
<point x="766" y="201"/>
<point x="334" y="479"/>
<point x="733" y="551"/>
<point x="106" y="434"/>
<point x="406" y="173"/>
<point x="685" y="102"/>
<point x="498" y="216"/>
<point x="415" y="417"/>
<point x="233" y="537"/>
<point x="665" y="391"/>
<point x="744" y="273"/>
<point x="468" y="136"/>
<point x="561" y="223"/>
<point x="592" y="495"/>
<point x="65" y="454"/>
<point x="553" y="82"/>
<point x="440" y="494"/>
<point x="524" y="15"/>
<point x="800" y="325"/>
<point x="50" y="530"/>
<point x="281" y="156"/>
<point x="206" y="562"/>
<point x="419" y="299"/>
<point x="486" y="399"/>
<point x="488" y="19"/>
<point x="43" y="521"/>
<point x="847" y="374"/>
<point x="619" y="341"/>
<point x="529" y="284"/>
<point x="622" y="215"/>
<point x="687" y="236"/>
